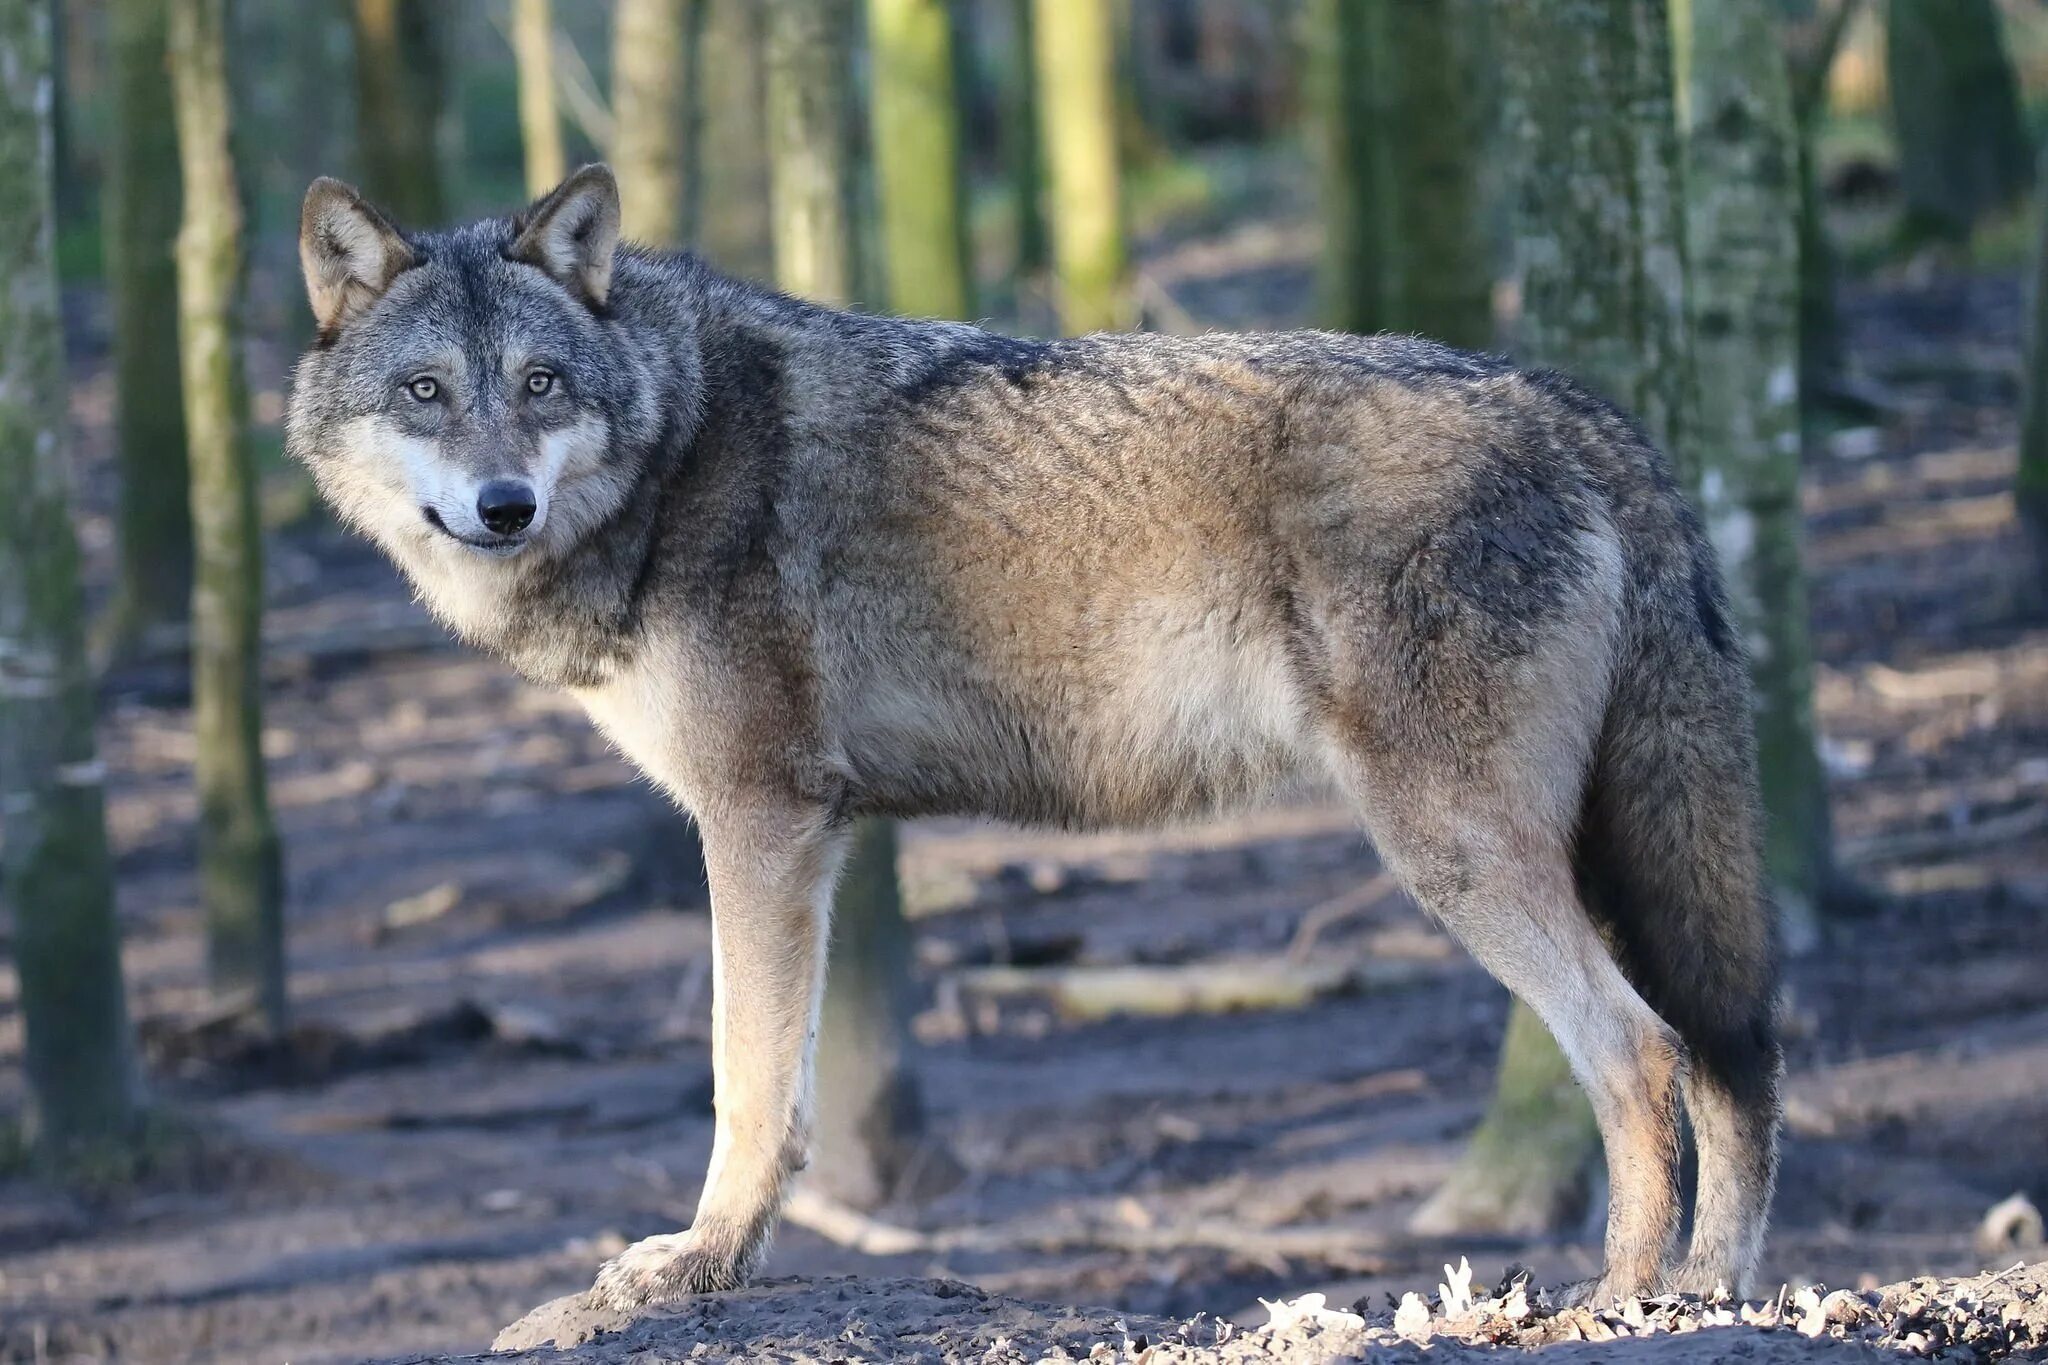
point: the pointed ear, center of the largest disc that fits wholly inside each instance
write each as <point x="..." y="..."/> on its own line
<point x="573" y="232"/>
<point x="349" y="251"/>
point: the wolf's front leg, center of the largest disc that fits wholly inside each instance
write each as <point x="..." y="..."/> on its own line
<point x="771" y="892"/>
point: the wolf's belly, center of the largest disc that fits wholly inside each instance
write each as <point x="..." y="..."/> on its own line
<point x="1164" y="710"/>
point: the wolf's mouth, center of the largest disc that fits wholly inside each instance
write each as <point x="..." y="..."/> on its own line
<point x="501" y="546"/>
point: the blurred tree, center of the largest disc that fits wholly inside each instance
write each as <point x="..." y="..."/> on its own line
<point x="1021" y="154"/>
<point x="733" y="220"/>
<point x="870" y="1121"/>
<point x="540" y="123"/>
<point x="653" y="81"/>
<point x="1401" y="139"/>
<point x="401" y="89"/>
<point x="240" y="869"/>
<point x="2031" y="486"/>
<point x="1600" y="255"/>
<point x="140" y="227"/>
<point x="55" y="877"/>
<point x="810" y="111"/>
<point x="1742" y="248"/>
<point x="1955" y="106"/>
<point x="917" y="159"/>
<point x="1816" y="39"/>
<point x="1075" y="57"/>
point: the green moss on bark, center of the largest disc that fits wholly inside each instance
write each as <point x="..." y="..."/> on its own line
<point x="917" y="158"/>
<point x="241" y="877"/>
<point x="54" y="872"/>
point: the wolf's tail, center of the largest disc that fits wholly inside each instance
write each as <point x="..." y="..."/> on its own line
<point x="1669" y="860"/>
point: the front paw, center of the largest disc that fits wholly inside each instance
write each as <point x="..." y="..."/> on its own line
<point x="664" y="1269"/>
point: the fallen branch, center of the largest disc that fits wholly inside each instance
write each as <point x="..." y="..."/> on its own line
<point x="1089" y="994"/>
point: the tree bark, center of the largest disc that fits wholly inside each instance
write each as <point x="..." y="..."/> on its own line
<point x="1074" y="46"/>
<point x="734" y="220"/>
<point x="401" y="76"/>
<point x="55" y="877"/>
<point x="917" y="159"/>
<point x="241" y="876"/>
<point x="653" y="81"/>
<point x="872" y="1144"/>
<point x="1600" y="256"/>
<point x="1023" y="158"/>
<point x="1401" y="138"/>
<point x="1963" y="149"/>
<point x="540" y="122"/>
<point x="1742" y="203"/>
<point x="141" y="225"/>
<point x="2031" y="484"/>
<point x="810" y="165"/>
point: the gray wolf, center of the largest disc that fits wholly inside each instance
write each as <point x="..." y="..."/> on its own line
<point x="803" y="565"/>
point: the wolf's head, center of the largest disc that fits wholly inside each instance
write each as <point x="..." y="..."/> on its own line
<point x="473" y="395"/>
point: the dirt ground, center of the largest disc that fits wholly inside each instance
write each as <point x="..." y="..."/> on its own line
<point x="498" y="954"/>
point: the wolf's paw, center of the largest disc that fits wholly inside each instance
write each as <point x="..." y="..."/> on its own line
<point x="1709" y="1281"/>
<point x="662" y="1270"/>
<point x="1599" y="1292"/>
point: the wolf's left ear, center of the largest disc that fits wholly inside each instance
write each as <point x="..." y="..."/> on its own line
<point x="349" y="251"/>
<point x="573" y="233"/>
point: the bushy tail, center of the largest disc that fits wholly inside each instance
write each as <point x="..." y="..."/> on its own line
<point x="1669" y="860"/>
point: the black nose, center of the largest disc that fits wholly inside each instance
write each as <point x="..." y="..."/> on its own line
<point x="505" y="505"/>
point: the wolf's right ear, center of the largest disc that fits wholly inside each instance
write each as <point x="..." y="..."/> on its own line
<point x="350" y="252"/>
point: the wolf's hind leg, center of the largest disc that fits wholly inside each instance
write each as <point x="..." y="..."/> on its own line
<point x="771" y="886"/>
<point x="1505" y="888"/>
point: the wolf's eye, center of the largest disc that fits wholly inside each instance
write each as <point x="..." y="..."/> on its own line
<point x="425" y="389"/>
<point x="540" y="382"/>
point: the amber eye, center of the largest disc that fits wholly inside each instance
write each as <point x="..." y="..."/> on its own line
<point x="425" y="388"/>
<point x="540" y="382"/>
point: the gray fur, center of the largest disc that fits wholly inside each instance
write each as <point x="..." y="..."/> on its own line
<point x="822" y="565"/>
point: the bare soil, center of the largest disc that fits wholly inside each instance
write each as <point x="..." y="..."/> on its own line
<point x="498" y="941"/>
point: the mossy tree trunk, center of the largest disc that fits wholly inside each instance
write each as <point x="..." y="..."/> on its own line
<point x="2031" y="485"/>
<point x="1600" y="256"/>
<point x="1400" y="135"/>
<point x="1963" y="149"/>
<point x="240" y="872"/>
<point x="870" y="1124"/>
<point x="917" y="158"/>
<point x="1075" y="56"/>
<point x="401" y="86"/>
<point x="734" y="224"/>
<point x="55" y="877"/>
<point x="1023" y="160"/>
<point x="1818" y="40"/>
<point x="141" y="225"/>
<point x="540" y="122"/>
<point x="810" y="110"/>
<point x="653" y="81"/>
<point x="1741" y="210"/>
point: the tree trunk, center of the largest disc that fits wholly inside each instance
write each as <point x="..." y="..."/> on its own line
<point x="1075" y="55"/>
<point x="540" y="123"/>
<point x="140" y="225"/>
<point x="653" y="80"/>
<point x="735" y="224"/>
<point x="1955" y="107"/>
<point x="917" y="159"/>
<point x="810" y="109"/>
<point x="54" y="872"/>
<point x="401" y="71"/>
<point x="1742" y="201"/>
<point x="1024" y="161"/>
<point x="1818" y="40"/>
<point x="2031" y="486"/>
<point x="1600" y="256"/>
<point x="241" y="878"/>
<point x="1401" y="139"/>
<point x="869" y="1120"/>
<point x="871" y="1140"/>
